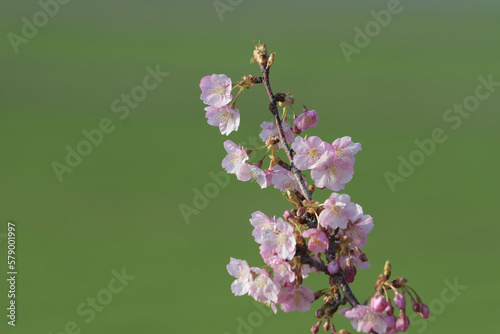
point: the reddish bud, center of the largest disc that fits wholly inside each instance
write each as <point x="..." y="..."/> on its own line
<point x="319" y="313"/>
<point x="315" y="328"/>
<point x="424" y="312"/>
<point x="326" y="325"/>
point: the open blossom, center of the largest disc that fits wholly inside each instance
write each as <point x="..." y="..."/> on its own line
<point x="333" y="172"/>
<point x="263" y="225"/>
<point x="358" y="227"/>
<point x="282" y="270"/>
<point x="269" y="129"/>
<point x="364" y="319"/>
<point x="227" y="119"/>
<point x="241" y="270"/>
<point x="318" y="241"/>
<point x="283" y="179"/>
<point x="345" y="148"/>
<point x="282" y="242"/>
<point x="296" y="298"/>
<point x="236" y="156"/>
<point x="306" y="120"/>
<point x="337" y="209"/>
<point x="251" y="172"/>
<point x="216" y="90"/>
<point x="263" y="288"/>
<point x="308" y="152"/>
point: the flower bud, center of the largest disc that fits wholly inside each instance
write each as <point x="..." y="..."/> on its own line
<point x="315" y="328"/>
<point x="301" y="211"/>
<point x="343" y="331"/>
<point x="402" y="323"/>
<point x="424" y="312"/>
<point x="387" y="269"/>
<point x="399" y="282"/>
<point x="260" y="54"/>
<point x="399" y="300"/>
<point x="270" y="61"/>
<point x="296" y="130"/>
<point x="333" y="267"/>
<point x="319" y="313"/>
<point x="378" y="304"/>
<point x="326" y="325"/>
<point x="362" y="257"/>
<point x="349" y="272"/>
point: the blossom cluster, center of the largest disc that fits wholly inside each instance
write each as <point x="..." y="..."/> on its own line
<point x="325" y="238"/>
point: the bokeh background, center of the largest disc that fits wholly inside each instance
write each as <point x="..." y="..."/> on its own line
<point x="119" y="208"/>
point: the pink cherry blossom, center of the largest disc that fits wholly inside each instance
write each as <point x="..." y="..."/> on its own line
<point x="236" y="156"/>
<point x="296" y="298"/>
<point x="345" y="148"/>
<point x="216" y="90"/>
<point x="282" y="242"/>
<point x="358" y="227"/>
<point x="251" y="172"/>
<point x="241" y="270"/>
<point x="332" y="172"/>
<point x="318" y="241"/>
<point x="269" y="129"/>
<point x="306" y="120"/>
<point x="282" y="270"/>
<point x="227" y="119"/>
<point x="283" y="179"/>
<point x="308" y="152"/>
<point x="336" y="211"/>
<point x="263" y="288"/>
<point x="263" y="225"/>
<point x="364" y="319"/>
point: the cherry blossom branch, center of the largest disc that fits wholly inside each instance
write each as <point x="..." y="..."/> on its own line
<point x="264" y="67"/>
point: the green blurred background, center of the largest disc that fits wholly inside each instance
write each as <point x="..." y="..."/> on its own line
<point x="119" y="208"/>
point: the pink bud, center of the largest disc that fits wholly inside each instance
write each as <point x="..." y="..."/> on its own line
<point x="424" y="313"/>
<point x="378" y="304"/>
<point x="399" y="300"/>
<point x="402" y="323"/>
<point x="333" y="267"/>
<point x="315" y="328"/>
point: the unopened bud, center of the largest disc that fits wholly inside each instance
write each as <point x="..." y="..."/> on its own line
<point x="362" y="257"/>
<point x="326" y="325"/>
<point x="399" y="282"/>
<point x="319" y="313"/>
<point x="287" y="215"/>
<point x="260" y="54"/>
<point x="311" y="188"/>
<point x="350" y="273"/>
<point x="424" y="312"/>
<point x="387" y="269"/>
<point x="301" y="211"/>
<point x="270" y="61"/>
<point x="315" y="328"/>
<point x="343" y="331"/>
<point x="296" y="130"/>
